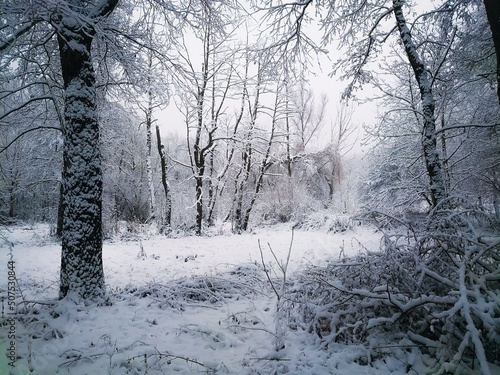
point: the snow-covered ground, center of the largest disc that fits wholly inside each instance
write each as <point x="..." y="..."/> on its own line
<point x="188" y="305"/>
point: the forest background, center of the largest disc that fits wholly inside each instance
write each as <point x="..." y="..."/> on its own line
<point x="83" y="84"/>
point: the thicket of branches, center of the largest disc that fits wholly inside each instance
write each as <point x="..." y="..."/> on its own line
<point x="433" y="286"/>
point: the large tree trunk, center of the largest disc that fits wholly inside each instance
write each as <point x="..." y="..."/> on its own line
<point x="81" y="272"/>
<point x="429" y="143"/>
<point x="493" y="14"/>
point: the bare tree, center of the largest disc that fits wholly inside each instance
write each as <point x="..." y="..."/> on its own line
<point x="308" y="116"/>
<point x="458" y="62"/>
<point x="429" y="142"/>
<point x="218" y="183"/>
<point x="153" y="98"/>
<point x="167" y="217"/>
<point x="205" y="93"/>
<point x="362" y="28"/>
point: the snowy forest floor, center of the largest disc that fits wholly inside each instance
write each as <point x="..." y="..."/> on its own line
<point x="186" y="305"/>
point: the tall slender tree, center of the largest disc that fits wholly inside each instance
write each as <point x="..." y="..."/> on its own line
<point x="205" y="94"/>
<point x="422" y="76"/>
<point x="360" y="26"/>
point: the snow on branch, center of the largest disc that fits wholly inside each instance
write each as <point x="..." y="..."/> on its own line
<point x="433" y="283"/>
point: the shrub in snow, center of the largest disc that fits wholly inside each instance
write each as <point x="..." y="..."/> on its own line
<point x="284" y="201"/>
<point x="243" y="281"/>
<point x="280" y="289"/>
<point x="434" y="285"/>
<point x="325" y="220"/>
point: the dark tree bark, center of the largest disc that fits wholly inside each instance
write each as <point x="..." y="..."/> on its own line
<point x="243" y="175"/>
<point x="74" y="22"/>
<point x="81" y="257"/>
<point x="199" y="152"/>
<point x="211" y="189"/>
<point x="168" y="200"/>
<point x="264" y="166"/>
<point x="12" y="196"/>
<point x="429" y="142"/>
<point x="493" y="14"/>
<point x="199" y="202"/>
<point x="239" y="185"/>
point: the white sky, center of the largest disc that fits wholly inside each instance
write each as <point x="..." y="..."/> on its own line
<point x="171" y="121"/>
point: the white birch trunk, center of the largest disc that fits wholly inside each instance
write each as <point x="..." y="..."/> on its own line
<point x="428" y="141"/>
<point x="149" y="167"/>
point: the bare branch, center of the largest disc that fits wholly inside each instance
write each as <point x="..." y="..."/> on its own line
<point x="29" y="131"/>
<point x="17" y="34"/>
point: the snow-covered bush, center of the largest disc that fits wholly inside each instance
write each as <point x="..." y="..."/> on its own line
<point x="433" y="284"/>
<point x="325" y="220"/>
<point x="284" y="200"/>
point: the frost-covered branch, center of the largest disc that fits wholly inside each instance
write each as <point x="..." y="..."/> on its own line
<point x="435" y="285"/>
<point x="26" y="132"/>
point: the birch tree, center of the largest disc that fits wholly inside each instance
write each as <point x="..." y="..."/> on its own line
<point x="362" y="28"/>
<point x="429" y="142"/>
<point x="459" y="60"/>
<point x="152" y="102"/>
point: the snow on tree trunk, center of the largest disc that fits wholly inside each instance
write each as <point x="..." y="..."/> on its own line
<point x="429" y="143"/>
<point x="199" y="204"/>
<point x="149" y="162"/>
<point x="239" y="186"/>
<point x="211" y="190"/>
<point x="263" y="168"/>
<point x="166" y="189"/>
<point x="81" y="258"/>
<point x="198" y="151"/>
